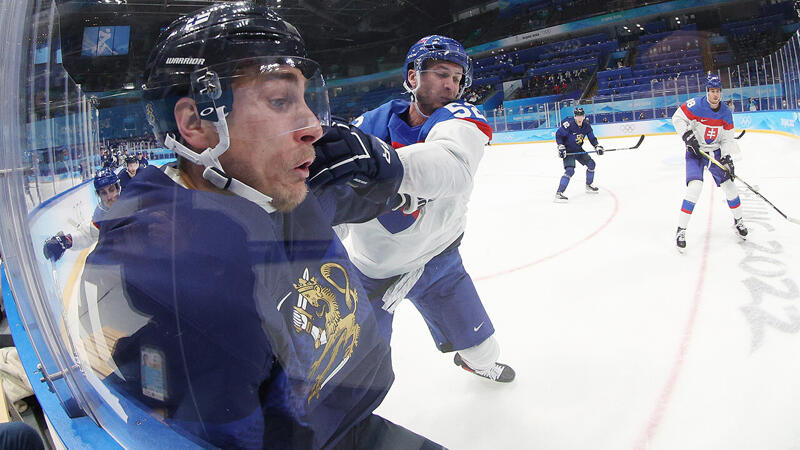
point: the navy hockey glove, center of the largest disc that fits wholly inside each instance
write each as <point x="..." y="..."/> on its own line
<point x="562" y="151"/>
<point x="345" y="154"/>
<point x="408" y="203"/>
<point x="599" y="149"/>
<point x="56" y="246"/>
<point x="692" y="146"/>
<point x="727" y="161"/>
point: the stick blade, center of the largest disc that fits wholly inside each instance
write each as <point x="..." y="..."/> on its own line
<point x="641" y="139"/>
<point x="793" y="220"/>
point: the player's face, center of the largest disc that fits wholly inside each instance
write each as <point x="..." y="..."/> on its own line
<point x="714" y="96"/>
<point x="132" y="167"/>
<point x="579" y="120"/>
<point x="275" y="165"/>
<point x="438" y="85"/>
<point x="108" y="194"/>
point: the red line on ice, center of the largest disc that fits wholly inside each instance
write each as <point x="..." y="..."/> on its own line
<point x="657" y="416"/>
<point x="562" y="251"/>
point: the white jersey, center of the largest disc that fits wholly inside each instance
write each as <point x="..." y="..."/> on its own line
<point x="440" y="165"/>
<point x="713" y="129"/>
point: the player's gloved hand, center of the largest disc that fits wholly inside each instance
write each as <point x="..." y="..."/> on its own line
<point x="727" y="161"/>
<point x="562" y="151"/>
<point x="56" y="246"/>
<point x="600" y="150"/>
<point x="408" y="203"/>
<point x="345" y="154"/>
<point x="692" y="146"/>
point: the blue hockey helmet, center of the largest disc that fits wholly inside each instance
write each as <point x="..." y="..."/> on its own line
<point x="713" y="82"/>
<point x="442" y="48"/>
<point x="105" y="177"/>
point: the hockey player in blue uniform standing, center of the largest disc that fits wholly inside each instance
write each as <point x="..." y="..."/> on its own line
<point x="412" y="252"/>
<point x="231" y="307"/>
<point x="705" y="123"/>
<point x="107" y="187"/>
<point x="570" y="137"/>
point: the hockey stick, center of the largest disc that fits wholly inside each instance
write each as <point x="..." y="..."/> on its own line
<point x="641" y="138"/>
<point x="752" y="189"/>
<point x="741" y="134"/>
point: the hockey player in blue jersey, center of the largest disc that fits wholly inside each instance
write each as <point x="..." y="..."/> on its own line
<point x="705" y="123"/>
<point x="107" y="187"/>
<point x="228" y="305"/>
<point x="413" y="251"/>
<point x="569" y="138"/>
<point x="131" y="167"/>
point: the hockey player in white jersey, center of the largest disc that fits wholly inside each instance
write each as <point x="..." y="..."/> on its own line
<point x="706" y="124"/>
<point x="412" y="252"/>
<point x="107" y="186"/>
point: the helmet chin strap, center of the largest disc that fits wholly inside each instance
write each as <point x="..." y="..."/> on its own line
<point x="214" y="173"/>
<point x="413" y="92"/>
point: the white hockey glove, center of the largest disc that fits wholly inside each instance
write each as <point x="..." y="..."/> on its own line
<point x="562" y="151"/>
<point x="599" y="149"/>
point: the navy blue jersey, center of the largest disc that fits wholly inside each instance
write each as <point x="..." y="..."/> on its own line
<point x="124" y="178"/>
<point x="572" y="136"/>
<point x="245" y="328"/>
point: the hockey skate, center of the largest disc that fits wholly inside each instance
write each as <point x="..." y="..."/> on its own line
<point x="680" y="239"/>
<point x="591" y="189"/>
<point x="560" y="198"/>
<point x="741" y="230"/>
<point x="499" y="372"/>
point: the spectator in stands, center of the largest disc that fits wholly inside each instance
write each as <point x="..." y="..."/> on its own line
<point x="753" y="106"/>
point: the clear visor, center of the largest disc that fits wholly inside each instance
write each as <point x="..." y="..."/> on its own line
<point x="263" y="98"/>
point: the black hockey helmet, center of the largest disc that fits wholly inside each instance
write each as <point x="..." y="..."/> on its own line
<point x="131" y="159"/>
<point x="198" y="55"/>
<point x="578" y="111"/>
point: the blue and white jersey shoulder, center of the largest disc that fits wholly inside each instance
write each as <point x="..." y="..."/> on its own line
<point x="698" y="109"/>
<point x="713" y="129"/>
<point x="386" y="121"/>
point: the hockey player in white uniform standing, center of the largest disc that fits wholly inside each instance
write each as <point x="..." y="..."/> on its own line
<point x="412" y="252"/>
<point x="706" y="124"/>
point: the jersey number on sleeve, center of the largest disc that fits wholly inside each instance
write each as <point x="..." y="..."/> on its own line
<point x="690" y="103"/>
<point x="464" y="111"/>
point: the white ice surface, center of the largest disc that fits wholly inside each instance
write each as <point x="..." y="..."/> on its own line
<point x="619" y="341"/>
